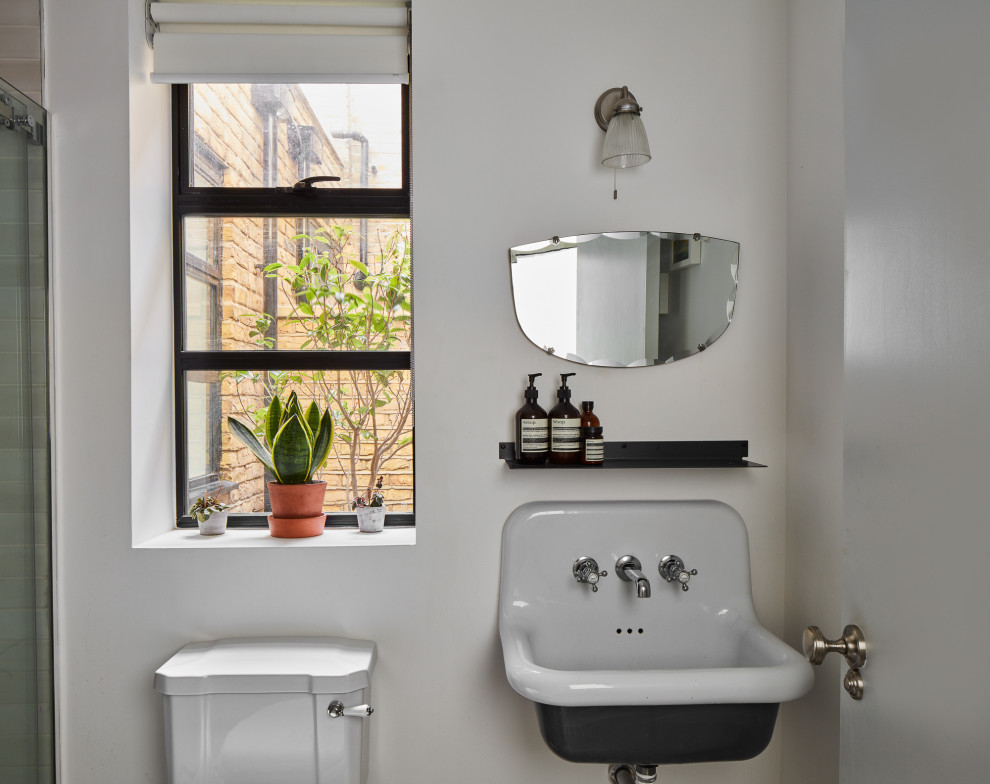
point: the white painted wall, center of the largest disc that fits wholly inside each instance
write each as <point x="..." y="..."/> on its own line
<point x="809" y="728"/>
<point x="504" y="152"/>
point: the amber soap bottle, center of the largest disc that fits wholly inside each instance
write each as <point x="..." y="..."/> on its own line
<point x="592" y="447"/>
<point x="565" y="427"/>
<point x="532" y="428"/>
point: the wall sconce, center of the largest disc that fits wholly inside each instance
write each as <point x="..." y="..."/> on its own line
<point x="626" y="145"/>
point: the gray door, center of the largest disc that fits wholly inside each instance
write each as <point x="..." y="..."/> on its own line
<point x="917" y="389"/>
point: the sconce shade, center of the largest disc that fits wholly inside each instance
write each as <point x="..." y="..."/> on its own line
<point x="626" y="144"/>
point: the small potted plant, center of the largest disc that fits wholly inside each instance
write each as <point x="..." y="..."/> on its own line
<point x="370" y="509"/>
<point x="296" y="445"/>
<point x="211" y="515"/>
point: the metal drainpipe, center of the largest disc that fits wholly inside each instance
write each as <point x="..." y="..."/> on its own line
<point x="303" y="169"/>
<point x="267" y="101"/>
<point x="359" y="137"/>
<point x="270" y="252"/>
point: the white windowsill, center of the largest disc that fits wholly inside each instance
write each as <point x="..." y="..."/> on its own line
<point x="189" y="538"/>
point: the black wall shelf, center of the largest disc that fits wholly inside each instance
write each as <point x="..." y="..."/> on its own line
<point x="654" y="454"/>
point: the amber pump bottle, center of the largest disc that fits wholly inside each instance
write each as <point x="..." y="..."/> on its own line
<point x="532" y="428"/>
<point x="565" y="427"/>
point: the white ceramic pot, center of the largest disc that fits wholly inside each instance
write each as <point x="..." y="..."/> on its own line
<point x="215" y="525"/>
<point x="371" y="519"/>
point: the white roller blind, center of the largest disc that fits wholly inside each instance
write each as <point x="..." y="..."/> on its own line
<point x="280" y="42"/>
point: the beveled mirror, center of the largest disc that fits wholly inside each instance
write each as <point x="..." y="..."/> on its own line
<point x="624" y="299"/>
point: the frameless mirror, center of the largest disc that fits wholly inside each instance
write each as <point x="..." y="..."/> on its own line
<point x="624" y="299"/>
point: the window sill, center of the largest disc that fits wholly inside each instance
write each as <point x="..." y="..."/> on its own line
<point x="235" y="538"/>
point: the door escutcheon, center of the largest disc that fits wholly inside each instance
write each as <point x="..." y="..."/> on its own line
<point x="853" y="683"/>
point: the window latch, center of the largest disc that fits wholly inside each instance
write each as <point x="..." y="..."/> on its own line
<point x="308" y="185"/>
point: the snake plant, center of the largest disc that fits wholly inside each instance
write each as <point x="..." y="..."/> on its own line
<point x="296" y="443"/>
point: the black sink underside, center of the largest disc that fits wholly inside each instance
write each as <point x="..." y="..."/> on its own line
<point x="657" y="734"/>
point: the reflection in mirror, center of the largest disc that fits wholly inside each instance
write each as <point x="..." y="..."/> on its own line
<point x="625" y="299"/>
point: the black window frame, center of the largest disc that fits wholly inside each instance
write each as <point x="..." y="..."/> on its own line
<point x="281" y="202"/>
<point x="206" y="270"/>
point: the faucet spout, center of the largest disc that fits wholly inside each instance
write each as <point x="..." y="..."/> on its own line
<point x="629" y="568"/>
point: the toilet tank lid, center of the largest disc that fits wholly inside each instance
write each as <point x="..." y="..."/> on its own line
<point x="265" y="665"/>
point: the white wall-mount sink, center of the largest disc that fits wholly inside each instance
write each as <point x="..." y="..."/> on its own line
<point x="680" y="676"/>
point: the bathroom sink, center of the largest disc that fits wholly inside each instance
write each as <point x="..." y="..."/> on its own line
<point x="676" y="676"/>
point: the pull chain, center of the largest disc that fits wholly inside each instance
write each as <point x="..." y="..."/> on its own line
<point x="615" y="190"/>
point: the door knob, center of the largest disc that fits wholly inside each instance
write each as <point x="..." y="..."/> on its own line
<point x="852" y="645"/>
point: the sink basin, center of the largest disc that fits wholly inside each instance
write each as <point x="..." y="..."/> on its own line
<point x="680" y="676"/>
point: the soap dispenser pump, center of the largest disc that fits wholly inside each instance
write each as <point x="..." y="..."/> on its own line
<point x="565" y="427"/>
<point x="532" y="428"/>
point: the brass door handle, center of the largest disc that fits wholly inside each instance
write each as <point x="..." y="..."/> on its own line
<point x="852" y="646"/>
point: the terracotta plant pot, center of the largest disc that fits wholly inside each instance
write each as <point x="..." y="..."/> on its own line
<point x="297" y="510"/>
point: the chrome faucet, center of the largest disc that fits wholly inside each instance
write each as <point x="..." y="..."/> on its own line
<point x="672" y="570"/>
<point x="630" y="569"/>
<point x="585" y="570"/>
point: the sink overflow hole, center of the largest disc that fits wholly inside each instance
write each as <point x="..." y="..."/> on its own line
<point x="628" y="631"/>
